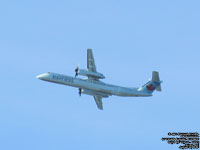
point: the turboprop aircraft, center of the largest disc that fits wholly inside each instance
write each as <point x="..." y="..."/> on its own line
<point x="98" y="89"/>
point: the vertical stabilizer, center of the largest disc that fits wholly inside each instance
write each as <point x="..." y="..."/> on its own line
<point x="153" y="84"/>
<point x="155" y="78"/>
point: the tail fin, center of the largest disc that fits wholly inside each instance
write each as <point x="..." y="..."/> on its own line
<point x="155" y="78"/>
<point x="153" y="84"/>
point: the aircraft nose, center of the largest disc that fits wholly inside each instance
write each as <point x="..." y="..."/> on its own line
<point x="42" y="76"/>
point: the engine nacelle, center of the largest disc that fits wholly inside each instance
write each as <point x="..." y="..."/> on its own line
<point x="88" y="73"/>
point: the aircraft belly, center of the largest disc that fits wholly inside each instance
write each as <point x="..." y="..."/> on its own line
<point x="94" y="93"/>
<point x="80" y="83"/>
<point x="103" y="88"/>
<point x="83" y="84"/>
<point x="95" y="87"/>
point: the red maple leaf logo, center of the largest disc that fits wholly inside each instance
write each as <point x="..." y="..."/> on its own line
<point x="150" y="87"/>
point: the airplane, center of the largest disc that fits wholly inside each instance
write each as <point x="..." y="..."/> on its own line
<point x="98" y="89"/>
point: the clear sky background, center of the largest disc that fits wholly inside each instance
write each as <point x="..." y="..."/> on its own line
<point x="129" y="39"/>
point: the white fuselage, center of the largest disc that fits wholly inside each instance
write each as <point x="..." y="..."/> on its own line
<point x="93" y="85"/>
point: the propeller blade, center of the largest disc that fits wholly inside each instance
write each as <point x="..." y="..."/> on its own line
<point x="76" y="75"/>
<point x="76" y="71"/>
<point x="80" y="91"/>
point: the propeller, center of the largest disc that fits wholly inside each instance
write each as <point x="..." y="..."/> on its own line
<point x="76" y="71"/>
<point x="80" y="91"/>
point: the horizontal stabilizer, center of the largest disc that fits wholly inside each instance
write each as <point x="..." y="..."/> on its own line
<point x="158" y="88"/>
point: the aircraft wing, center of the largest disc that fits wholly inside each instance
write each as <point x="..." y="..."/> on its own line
<point x="90" y="61"/>
<point x="98" y="100"/>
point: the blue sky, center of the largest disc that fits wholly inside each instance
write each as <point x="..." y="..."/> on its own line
<point x="129" y="39"/>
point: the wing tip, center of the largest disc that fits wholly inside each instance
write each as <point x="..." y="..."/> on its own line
<point x="100" y="108"/>
<point x="89" y="49"/>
